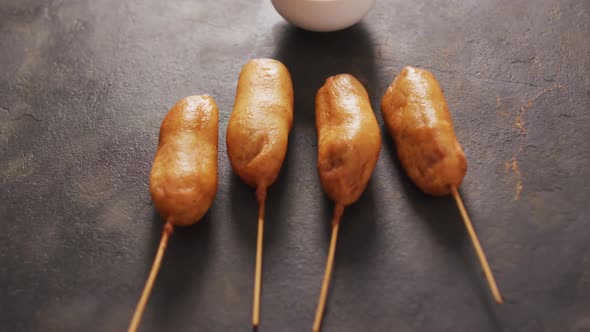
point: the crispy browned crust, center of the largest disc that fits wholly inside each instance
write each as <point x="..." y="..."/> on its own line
<point x="417" y="116"/>
<point x="349" y="139"/>
<point x="259" y="126"/>
<point x="183" y="179"/>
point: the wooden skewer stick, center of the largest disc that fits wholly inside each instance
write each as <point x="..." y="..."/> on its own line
<point x="261" y="197"/>
<point x="338" y="211"/>
<point x="480" y="254"/>
<point x="168" y="230"/>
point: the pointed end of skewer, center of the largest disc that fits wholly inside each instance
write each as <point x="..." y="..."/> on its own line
<point x="316" y="326"/>
<point x="479" y="251"/>
<point x="254" y="328"/>
<point x="498" y="298"/>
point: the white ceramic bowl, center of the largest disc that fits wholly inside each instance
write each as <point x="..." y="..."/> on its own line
<point x="323" y="15"/>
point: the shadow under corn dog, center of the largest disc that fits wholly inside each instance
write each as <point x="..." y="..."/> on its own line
<point x="358" y="231"/>
<point x="277" y="212"/>
<point x="244" y="214"/>
<point x="439" y="213"/>
<point x="311" y="58"/>
<point x="243" y="198"/>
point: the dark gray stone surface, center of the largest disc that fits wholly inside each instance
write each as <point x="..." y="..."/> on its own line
<point x="85" y="84"/>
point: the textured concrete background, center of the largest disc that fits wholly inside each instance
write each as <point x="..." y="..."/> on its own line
<point x="85" y="84"/>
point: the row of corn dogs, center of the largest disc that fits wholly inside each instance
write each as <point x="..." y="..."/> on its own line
<point x="183" y="179"/>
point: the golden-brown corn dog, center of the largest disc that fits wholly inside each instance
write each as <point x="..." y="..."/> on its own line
<point x="416" y="114"/>
<point x="349" y="142"/>
<point x="259" y="126"/>
<point x="349" y="139"/>
<point x="257" y="137"/>
<point x="183" y="179"/>
<point x="418" y="118"/>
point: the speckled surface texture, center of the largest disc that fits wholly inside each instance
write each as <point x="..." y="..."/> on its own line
<point x="85" y="84"/>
